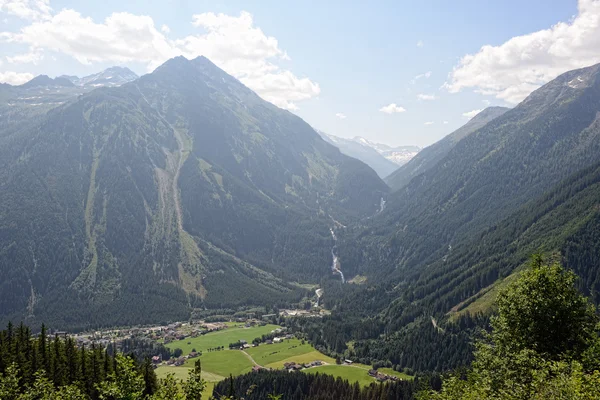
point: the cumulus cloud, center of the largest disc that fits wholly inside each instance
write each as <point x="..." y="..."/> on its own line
<point x="34" y="56"/>
<point x="426" y="97"/>
<point x="471" y="114"/>
<point x="165" y="29"/>
<point x="515" y="68"/>
<point x="15" y="78"/>
<point x="420" y="43"/>
<point x="340" y="115"/>
<point x="392" y="108"/>
<point x="26" y="9"/>
<point x="429" y="123"/>
<point x="445" y="122"/>
<point x="234" y="43"/>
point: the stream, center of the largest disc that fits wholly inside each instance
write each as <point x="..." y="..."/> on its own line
<point x="335" y="264"/>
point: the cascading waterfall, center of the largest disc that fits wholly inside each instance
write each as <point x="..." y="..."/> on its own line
<point x="336" y="265"/>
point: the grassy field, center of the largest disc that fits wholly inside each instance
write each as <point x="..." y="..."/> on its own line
<point x="349" y="372"/>
<point x="221" y="338"/>
<point x="312" y="355"/>
<point x="288" y="350"/>
<point x="355" y="373"/>
<point x="216" y="365"/>
<point x="223" y="362"/>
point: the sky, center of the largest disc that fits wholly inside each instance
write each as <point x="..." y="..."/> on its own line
<point x="394" y="72"/>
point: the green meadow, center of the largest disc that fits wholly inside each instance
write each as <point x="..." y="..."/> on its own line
<point x="216" y="365"/>
<point x="221" y="338"/>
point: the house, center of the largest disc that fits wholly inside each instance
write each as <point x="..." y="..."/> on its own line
<point x="242" y="341"/>
<point x="156" y="359"/>
<point x="179" y="361"/>
<point x="269" y="341"/>
<point x="349" y="362"/>
<point x="246" y="346"/>
<point x="277" y="340"/>
<point x="372" y="372"/>
<point x="256" y="368"/>
<point x="193" y="354"/>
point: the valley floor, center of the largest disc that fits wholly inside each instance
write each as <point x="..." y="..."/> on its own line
<point x="219" y="364"/>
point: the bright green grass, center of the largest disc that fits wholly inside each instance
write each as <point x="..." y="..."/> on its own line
<point x="351" y="373"/>
<point x="221" y="338"/>
<point x="312" y="355"/>
<point x="270" y="353"/>
<point x="223" y="362"/>
<point x="181" y="373"/>
<point x="400" y="375"/>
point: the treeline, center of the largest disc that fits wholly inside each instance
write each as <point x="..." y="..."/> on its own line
<point x="544" y="344"/>
<point x="140" y="348"/>
<point x="39" y="367"/>
<point x="25" y="358"/>
<point x="300" y="386"/>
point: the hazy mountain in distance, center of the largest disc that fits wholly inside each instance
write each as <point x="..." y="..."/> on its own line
<point x="362" y="152"/>
<point x="182" y="189"/>
<point x="399" y="155"/>
<point x="382" y="158"/>
<point x="431" y="155"/>
<point x="45" y="80"/>
<point x="114" y="76"/>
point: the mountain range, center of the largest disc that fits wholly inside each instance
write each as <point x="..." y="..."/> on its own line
<point x="182" y="189"/>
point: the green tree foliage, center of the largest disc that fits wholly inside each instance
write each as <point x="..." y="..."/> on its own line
<point x="265" y="384"/>
<point x="543" y="344"/>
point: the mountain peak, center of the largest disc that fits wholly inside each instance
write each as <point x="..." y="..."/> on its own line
<point x="45" y="80"/>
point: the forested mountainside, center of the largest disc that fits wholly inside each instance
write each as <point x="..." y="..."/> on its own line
<point x="395" y="322"/>
<point x="428" y="273"/>
<point x="431" y="155"/>
<point x="484" y="178"/>
<point x="173" y="191"/>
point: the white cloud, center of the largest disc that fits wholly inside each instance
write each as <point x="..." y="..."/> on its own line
<point x="515" y="68"/>
<point x="233" y="43"/>
<point x="340" y="115"/>
<point x="445" y="122"/>
<point x="165" y="29"/>
<point x="26" y="9"/>
<point x="420" y="43"/>
<point x="429" y="123"/>
<point x="425" y="75"/>
<point x="471" y="114"/>
<point x="34" y="56"/>
<point x="15" y="78"/>
<point x="426" y="97"/>
<point x="392" y="108"/>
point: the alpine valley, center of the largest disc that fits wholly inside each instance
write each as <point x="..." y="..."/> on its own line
<point x="129" y="200"/>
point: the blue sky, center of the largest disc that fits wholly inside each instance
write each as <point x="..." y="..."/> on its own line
<point x="330" y="57"/>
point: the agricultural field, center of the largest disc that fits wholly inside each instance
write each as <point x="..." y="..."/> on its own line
<point x="275" y="355"/>
<point x="221" y="338"/>
<point x="216" y="365"/>
<point x="354" y="372"/>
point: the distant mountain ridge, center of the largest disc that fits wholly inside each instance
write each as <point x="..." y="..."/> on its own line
<point x="113" y="76"/>
<point x="431" y="155"/>
<point x="382" y="158"/>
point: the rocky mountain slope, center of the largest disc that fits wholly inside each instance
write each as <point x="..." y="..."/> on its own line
<point x="181" y="189"/>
